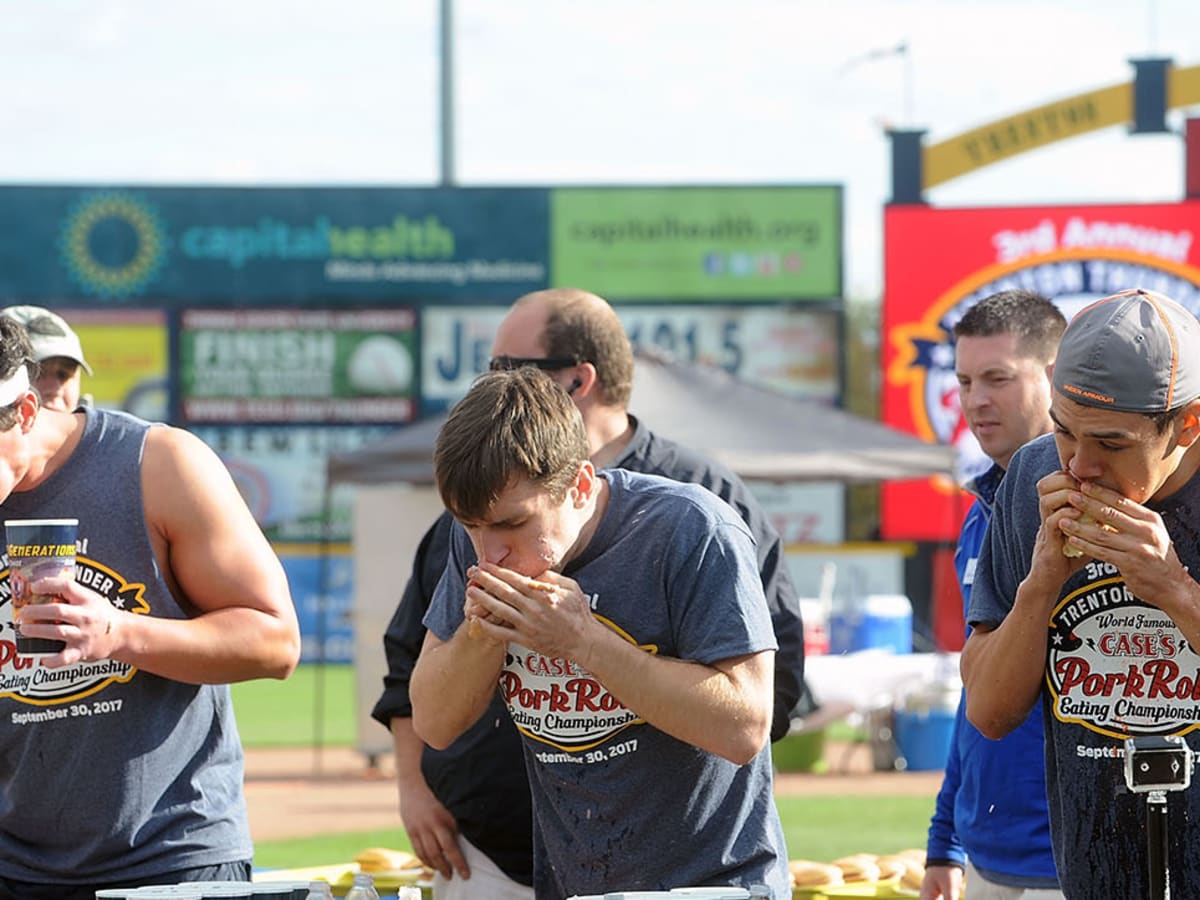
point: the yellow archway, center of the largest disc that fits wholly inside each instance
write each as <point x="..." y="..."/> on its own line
<point x="1042" y="125"/>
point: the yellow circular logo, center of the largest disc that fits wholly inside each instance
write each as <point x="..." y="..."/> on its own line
<point x="113" y="244"/>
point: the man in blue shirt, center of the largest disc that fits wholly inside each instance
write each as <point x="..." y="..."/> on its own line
<point x="991" y="817"/>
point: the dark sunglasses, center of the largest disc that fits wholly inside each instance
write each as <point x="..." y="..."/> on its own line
<point x="546" y="363"/>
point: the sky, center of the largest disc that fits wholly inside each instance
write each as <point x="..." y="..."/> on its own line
<point x="638" y="92"/>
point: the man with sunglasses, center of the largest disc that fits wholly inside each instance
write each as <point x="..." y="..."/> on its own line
<point x="545" y="363"/>
<point x="467" y="809"/>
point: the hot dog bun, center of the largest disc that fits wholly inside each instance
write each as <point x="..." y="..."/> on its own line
<point x="384" y="859"/>
<point x="806" y="873"/>
<point x="858" y="867"/>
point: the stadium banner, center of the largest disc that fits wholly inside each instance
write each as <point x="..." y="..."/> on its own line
<point x="322" y="585"/>
<point x="940" y="262"/>
<point x="343" y="366"/>
<point x="280" y="471"/>
<point x="794" y="349"/>
<point x="129" y="352"/>
<point x="699" y="243"/>
<point x="179" y="245"/>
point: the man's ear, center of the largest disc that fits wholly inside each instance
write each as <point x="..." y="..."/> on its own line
<point x="583" y="381"/>
<point x="585" y="483"/>
<point x="1188" y="424"/>
<point x="27" y="410"/>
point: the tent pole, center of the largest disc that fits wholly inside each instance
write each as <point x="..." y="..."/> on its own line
<point x="322" y="629"/>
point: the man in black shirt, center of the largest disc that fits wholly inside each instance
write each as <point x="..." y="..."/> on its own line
<point x="471" y="801"/>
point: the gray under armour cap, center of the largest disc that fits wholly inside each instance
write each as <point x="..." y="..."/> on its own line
<point x="49" y="333"/>
<point x="1136" y="351"/>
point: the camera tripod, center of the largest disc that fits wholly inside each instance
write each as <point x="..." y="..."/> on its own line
<point x="1156" y="846"/>
<point x="1154" y="766"/>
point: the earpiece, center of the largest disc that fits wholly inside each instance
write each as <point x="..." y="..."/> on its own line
<point x="575" y="385"/>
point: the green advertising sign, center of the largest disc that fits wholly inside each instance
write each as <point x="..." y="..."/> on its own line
<point x="697" y="243"/>
<point x="320" y="366"/>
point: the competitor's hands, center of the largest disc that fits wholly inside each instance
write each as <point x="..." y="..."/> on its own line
<point x="549" y="613"/>
<point x="1138" y="546"/>
<point x="1054" y="506"/>
<point x="86" y="621"/>
<point x="1109" y="528"/>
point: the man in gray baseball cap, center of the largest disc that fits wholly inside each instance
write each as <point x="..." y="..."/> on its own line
<point x="1085" y="592"/>
<point x="1135" y="351"/>
<point x="57" y="349"/>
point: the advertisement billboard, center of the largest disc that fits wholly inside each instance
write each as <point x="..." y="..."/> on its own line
<point x="278" y="245"/>
<point x="794" y="349"/>
<point x="179" y="245"/>
<point x="311" y="366"/>
<point x="129" y="352"/>
<point x="699" y="243"/>
<point x="323" y="593"/>
<point x="280" y="472"/>
<point x="940" y="262"/>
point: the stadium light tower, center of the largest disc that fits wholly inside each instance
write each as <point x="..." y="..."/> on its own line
<point x="446" y="90"/>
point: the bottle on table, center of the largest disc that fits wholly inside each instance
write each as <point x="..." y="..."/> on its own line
<point x="319" y="890"/>
<point x="363" y="888"/>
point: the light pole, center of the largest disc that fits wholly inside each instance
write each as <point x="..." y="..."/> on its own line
<point x="446" y="91"/>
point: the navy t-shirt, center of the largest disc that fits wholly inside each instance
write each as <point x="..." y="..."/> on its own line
<point x="618" y="804"/>
<point x="1116" y="667"/>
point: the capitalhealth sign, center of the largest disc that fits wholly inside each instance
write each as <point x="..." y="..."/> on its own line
<point x="940" y="262"/>
<point x="289" y="246"/>
<point x="700" y="243"/>
<point x="271" y="244"/>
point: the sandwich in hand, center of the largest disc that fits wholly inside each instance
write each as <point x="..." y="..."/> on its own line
<point x="1073" y="552"/>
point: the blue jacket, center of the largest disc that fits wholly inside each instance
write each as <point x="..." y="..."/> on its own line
<point x="992" y="805"/>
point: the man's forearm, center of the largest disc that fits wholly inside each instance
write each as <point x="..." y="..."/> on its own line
<point x="1002" y="669"/>
<point x="452" y="685"/>
<point x="408" y="749"/>
<point x="723" y="708"/>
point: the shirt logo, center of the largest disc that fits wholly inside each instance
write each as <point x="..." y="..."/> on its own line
<point x="1118" y="666"/>
<point x="555" y="701"/>
<point x="24" y="679"/>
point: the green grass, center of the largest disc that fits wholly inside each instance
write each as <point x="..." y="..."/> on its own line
<point x="325" y="850"/>
<point x="826" y="827"/>
<point x="285" y="713"/>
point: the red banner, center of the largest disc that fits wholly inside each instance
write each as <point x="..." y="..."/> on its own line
<point x="940" y="262"/>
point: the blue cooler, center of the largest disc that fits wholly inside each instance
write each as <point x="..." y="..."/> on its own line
<point x="878" y="622"/>
<point x="923" y="738"/>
